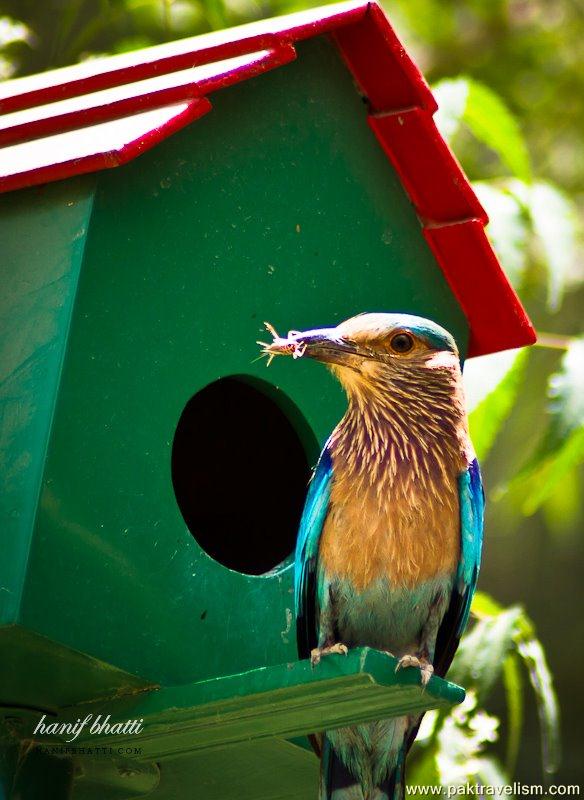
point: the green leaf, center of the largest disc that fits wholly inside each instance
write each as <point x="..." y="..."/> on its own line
<point x="423" y="770"/>
<point x="462" y="739"/>
<point x="533" y="654"/>
<point x="562" y="446"/>
<point x="483" y="374"/>
<point x="547" y="475"/>
<point x="561" y="508"/>
<point x="557" y="228"/>
<point x="452" y="97"/>
<point x="483" y="112"/>
<point x="513" y="682"/>
<point x="12" y="30"/>
<point x="518" y="628"/>
<point x="567" y="392"/>
<point x="508" y="228"/>
<point x="483" y="605"/>
<point x="479" y="660"/>
<point x="491" y="412"/>
<point x="490" y="772"/>
<point x="536" y="218"/>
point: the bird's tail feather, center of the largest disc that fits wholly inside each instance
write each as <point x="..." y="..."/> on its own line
<point x="337" y="782"/>
<point x="393" y="787"/>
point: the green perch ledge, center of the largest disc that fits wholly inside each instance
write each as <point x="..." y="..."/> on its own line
<point x="284" y="701"/>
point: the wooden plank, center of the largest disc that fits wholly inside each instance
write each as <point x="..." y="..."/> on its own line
<point x="284" y="701"/>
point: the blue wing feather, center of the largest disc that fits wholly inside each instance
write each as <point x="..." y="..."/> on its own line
<point x="472" y="503"/>
<point x="305" y="565"/>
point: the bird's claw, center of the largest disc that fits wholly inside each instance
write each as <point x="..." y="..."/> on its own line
<point x="426" y="669"/>
<point x="319" y="652"/>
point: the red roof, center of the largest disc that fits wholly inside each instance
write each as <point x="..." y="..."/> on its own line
<point x="105" y="112"/>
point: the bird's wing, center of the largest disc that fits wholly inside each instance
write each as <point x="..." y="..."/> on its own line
<point x="305" y="566"/>
<point x="471" y="498"/>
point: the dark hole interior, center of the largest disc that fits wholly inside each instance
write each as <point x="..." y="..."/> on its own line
<point x="240" y="473"/>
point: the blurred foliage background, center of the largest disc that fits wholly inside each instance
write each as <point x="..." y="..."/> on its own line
<point x="509" y="78"/>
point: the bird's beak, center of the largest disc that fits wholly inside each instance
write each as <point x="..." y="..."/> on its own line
<point x="323" y="344"/>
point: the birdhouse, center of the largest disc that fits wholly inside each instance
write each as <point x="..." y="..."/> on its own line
<point x="158" y="206"/>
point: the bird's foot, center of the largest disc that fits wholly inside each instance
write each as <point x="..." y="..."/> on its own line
<point x="426" y="669"/>
<point x="319" y="652"/>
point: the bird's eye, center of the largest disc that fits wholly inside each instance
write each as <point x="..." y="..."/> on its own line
<point x="402" y="343"/>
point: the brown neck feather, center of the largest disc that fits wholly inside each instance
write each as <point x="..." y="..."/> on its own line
<point x="406" y="424"/>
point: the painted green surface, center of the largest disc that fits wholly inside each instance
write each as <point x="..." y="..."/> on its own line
<point x="271" y="769"/>
<point x="123" y="301"/>
<point x="278" y="205"/>
<point x="226" y="733"/>
<point x="42" y="233"/>
<point x="40" y="776"/>
<point x="286" y="700"/>
<point x="38" y="673"/>
<point x="115" y="779"/>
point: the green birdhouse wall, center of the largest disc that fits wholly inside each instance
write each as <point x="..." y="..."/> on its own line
<point x="155" y="470"/>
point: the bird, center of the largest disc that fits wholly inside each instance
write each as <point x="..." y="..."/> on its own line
<point x="389" y="543"/>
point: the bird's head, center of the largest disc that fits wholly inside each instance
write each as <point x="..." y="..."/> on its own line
<point x="372" y="351"/>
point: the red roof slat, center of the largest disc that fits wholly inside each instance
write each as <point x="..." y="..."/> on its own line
<point x="126" y="68"/>
<point x="105" y="109"/>
<point x="431" y="174"/>
<point x="373" y="52"/>
<point x="497" y="319"/>
<point x="108" y="157"/>
<point x="46" y="137"/>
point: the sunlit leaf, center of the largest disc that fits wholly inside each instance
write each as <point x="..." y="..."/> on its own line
<point x="562" y="507"/>
<point x="483" y="374"/>
<point x="462" y="739"/>
<point x="423" y="769"/>
<point x="483" y="112"/>
<point x="7" y="67"/>
<point x="546" y="475"/>
<point x="567" y="392"/>
<point x="508" y="228"/>
<point x="452" y="97"/>
<point x="12" y="30"/>
<point x="514" y="633"/>
<point x="534" y="218"/>
<point x="540" y="677"/>
<point x="513" y="682"/>
<point x="428" y="725"/>
<point x="562" y="446"/>
<point x="490" y="772"/>
<point x="14" y="36"/>
<point x="479" y="660"/>
<point x="483" y="605"/>
<point x="506" y="371"/>
<point x="129" y="44"/>
<point x="556" y="224"/>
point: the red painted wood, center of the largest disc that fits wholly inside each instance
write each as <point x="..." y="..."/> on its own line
<point x="101" y="112"/>
<point x="429" y="171"/>
<point x="81" y="79"/>
<point x="109" y="158"/>
<point x="107" y="75"/>
<point x="386" y="75"/>
<point x="496" y="317"/>
<point x="401" y="107"/>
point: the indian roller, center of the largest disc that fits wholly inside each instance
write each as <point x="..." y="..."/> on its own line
<point x="389" y="544"/>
